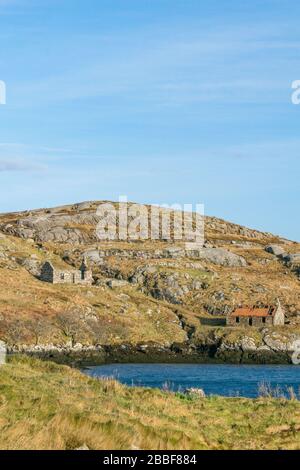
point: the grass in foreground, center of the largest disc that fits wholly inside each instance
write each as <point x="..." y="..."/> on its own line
<point x="47" y="406"/>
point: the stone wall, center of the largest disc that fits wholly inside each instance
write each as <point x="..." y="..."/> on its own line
<point x="279" y="316"/>
<point x="64" y="277"/>
<point x="47" y="272"/>
<point x="246" y="321"/>
<point x="72" y="277"/>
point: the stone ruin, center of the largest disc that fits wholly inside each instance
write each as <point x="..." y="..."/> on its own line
<point x="54" y="275"/>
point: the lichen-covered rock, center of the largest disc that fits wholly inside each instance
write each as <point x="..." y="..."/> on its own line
<point x="83" y="447"/>
<point x="221" y="257"/>
<point x="32" y="265"/>
<point x="292" y="259"/>
<point x="172" y="295"/>
<point x="248" y="344"/>
<point x="173" y="252"/>
<point x="275" y="250"/>
<point x="195" y="392"/>
<point x="115" y="283"/>
<point x="277" y="342"/>
<point x="93" y="256"/>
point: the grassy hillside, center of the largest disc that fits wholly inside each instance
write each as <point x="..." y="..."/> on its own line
<point x="163" y="299"/>
<point x="46" y="406"/>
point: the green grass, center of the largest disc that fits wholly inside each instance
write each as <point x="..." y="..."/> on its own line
<point x="47" y="406"/>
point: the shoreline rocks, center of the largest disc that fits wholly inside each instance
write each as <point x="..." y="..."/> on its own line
<point x="270" y="349"/>
<point x="195" y="392"/>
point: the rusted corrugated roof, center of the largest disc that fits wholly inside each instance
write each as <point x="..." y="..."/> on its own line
<point x="253" y="312"/>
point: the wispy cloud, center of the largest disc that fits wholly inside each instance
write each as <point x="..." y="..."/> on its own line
<point x="171" y="70"/>
<point x="20" y="157"/>
<point x="18" y="165"/>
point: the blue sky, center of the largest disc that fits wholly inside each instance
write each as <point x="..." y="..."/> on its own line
<point x="165" y="101"/>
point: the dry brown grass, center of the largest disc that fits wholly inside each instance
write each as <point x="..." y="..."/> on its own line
<point x="46" y="406"/>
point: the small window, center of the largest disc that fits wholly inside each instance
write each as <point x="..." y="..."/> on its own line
<point x="264" y="320"/>
<point x="237" y="319"/>
<point x="62" y="276"/>
<point x="82" y="275"/>
<point x="250" y="321"/>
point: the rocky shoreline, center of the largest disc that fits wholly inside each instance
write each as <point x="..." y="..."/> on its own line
<point x="79" y="355"/>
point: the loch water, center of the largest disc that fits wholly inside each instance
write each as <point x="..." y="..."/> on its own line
<point x="214" y="379"/>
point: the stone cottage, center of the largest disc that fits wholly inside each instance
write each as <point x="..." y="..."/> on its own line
<point x="257" y="316"/>
<point x="49" y="273"/>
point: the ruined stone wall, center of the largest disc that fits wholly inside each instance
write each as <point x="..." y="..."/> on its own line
<point x="88" y="278"/>
<point x="245" y="321"/>
<point x="64" y="277"/>
<point x="279" y="316"/>
<point x="260" y="321"/>
<point x="72" y="277"/>
<point x="46" y="273"/>
<point x="230" y="321"/>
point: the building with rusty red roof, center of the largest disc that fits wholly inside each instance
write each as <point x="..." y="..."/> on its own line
<point x="257" y="316"/>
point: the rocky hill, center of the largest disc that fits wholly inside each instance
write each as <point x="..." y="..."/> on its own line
<point x="144" y="292"/>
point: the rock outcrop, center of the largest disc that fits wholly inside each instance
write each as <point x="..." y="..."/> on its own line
<point x="220" y="256"/>
<point x="275" y="250"/>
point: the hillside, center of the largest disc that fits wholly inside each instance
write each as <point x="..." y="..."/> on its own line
<point x="103" y="414"/>
<point x="143" y="291"/>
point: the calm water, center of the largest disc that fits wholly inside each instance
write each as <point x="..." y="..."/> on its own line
<point x="217" y="379"/>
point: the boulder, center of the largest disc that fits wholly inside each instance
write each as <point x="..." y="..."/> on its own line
<point x="83" y="447"/>
<point x="195" y="392"/>
<point x="142" y="273"/>
<point x="275" y="250"/>
<point x="259" y="289"/>
<point x="82" y="206"/>
<point x="292" y="259"/>
<point x="173" y="252"/>
<point x="278" y="343"/>
<point x="33" y="266"/>
<point x="114" y="283"/>
<point x="93" y="256"/>
<point x="172" y="295"/>
<point x="197" y="285"/>
<point x="248" y="344"/>
<point x="221" y="257"/>
<point x="218" y="296"/>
